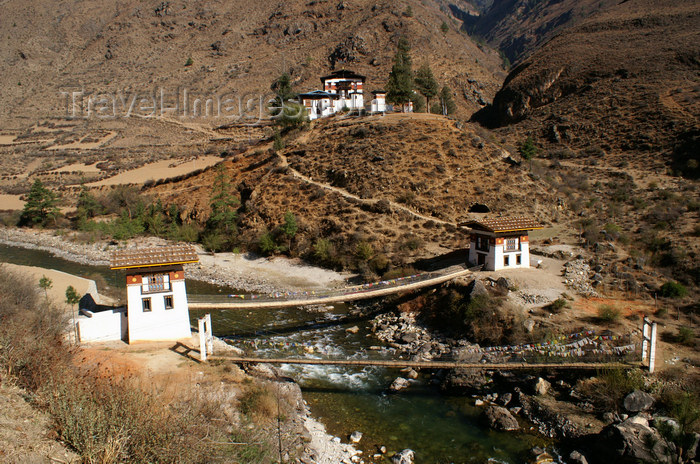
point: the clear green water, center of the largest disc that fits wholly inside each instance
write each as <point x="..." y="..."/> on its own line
<point x="439" y="428"/>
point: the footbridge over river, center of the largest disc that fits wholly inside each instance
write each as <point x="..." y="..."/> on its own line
<point x="340" y="295"/>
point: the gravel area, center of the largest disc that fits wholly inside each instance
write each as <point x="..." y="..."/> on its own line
<point x="241" y="271"/>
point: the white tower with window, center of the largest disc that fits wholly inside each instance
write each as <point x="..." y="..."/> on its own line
<point x="500" y="243"/>
<point x="156" y="294"/>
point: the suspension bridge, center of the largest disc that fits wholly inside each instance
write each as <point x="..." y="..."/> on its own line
<point x="401" y="364"/>
<point x="341" y="295"/>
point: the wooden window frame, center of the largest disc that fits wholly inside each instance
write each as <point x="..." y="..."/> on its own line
<point x="165" y="302"/>
<point x="146" y="305"/>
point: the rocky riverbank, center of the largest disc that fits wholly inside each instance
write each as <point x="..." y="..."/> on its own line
<point x="240" y="271"/>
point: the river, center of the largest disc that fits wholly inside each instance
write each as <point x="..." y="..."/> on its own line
<point x="439" y="428"/>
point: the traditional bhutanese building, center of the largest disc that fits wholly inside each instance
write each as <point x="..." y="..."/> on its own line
<point x="156" y="294"/>
<point x="348" y="86"/>
<point x="378" y="102"/>
<point x="500" y="243"/>
<point x="341" y="90"/>
<point x="318" y="103"/>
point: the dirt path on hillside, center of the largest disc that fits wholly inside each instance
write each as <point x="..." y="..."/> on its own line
<point x="348" y="195"/>
<point x="640" y="177"/>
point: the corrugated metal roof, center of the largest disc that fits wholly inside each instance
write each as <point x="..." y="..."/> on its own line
<point x="503" y="224"/>
<point x="156" y="256"/>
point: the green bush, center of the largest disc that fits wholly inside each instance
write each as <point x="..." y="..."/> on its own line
<point x="364" y="251"/>
<point x="558" y="304"/>
<point x="673" y="290"/>
<point x="608" y="314"/>
<point x="617" y="383"/>
<point x="685" y="336"/>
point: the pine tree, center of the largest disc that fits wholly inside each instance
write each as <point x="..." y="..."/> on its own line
<point x="40" y="206"/>
<point x="88" y="206"/>
<point x="400" y="86"/>
<point x="45" y="283"/>
<point x="224" y="205"/>
<point x="447" y="104"/>
<point x="528" y="150"/>
<point x="283" y="87"/>
<point x="426" y="84"/>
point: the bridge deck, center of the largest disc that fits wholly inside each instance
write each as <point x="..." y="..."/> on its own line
<point x="341" y="296"/>
<point x="399" y="364"/>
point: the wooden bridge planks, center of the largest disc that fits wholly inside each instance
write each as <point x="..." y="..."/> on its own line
<point x="339" y="298"/>
<point x="398" y="364"/>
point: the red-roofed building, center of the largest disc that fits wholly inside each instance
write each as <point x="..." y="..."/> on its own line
<point x="500" y="243"/>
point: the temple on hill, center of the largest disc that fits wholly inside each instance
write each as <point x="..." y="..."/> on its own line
<point x="500" y="243"/>
<point x="341" y="90"/>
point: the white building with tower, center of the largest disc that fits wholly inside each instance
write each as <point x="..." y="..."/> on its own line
<point x="342" y="90"/>
<point x="156" y="293"/>
<point x="500" y="243"/>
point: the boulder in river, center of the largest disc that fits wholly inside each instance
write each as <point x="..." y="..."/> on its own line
<point x="399" y="384"/>
<point x="403" y="457"/>
<point x="577" y="458"/>
<point x="638" y="401"/>
<point x="542" y="386"/>
<point x="500" y="418"/>
<point x="355" y="437"/>
<point x="634" y="441"/>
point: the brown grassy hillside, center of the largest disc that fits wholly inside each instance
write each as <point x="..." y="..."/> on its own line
<point x="519" y="27"/>
<point x="625" y="80"/>
<point x="398" y="183"/>
<point x="613" y="106"/>
<point x="235" y="47"/>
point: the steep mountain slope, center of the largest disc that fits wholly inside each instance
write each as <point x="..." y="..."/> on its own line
<point x="399" y="183"/>
<point x="218" y="48"/>
<point x="626" y="80"/>
<point x="519" y="27"/>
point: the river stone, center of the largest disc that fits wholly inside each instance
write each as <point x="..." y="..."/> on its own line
<point x="475" y="289"/>
<point x="577" y="458"/>
<point x="638" y="401"/>
<point x="631" y="440"/>
<point x="403" y="457"/>
<point x="542" y="386"/>
<point x="399" y="384"/>
<point x="500" y="418"/>
<point x="693" y="448"/>
<point x="505" y="283"/>
<point x="353" y="330"/>
<point x="412" y="374"/>
<point x="529" y="325"/>
<point x="505" y="398"/>
<point x="355" y="437"/>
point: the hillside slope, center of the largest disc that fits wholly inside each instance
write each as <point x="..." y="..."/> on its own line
<point x="520" y="27"/>
<point x="626" y="80"/>
<point x="219" y="48"/>
<point x="399" y="183"/>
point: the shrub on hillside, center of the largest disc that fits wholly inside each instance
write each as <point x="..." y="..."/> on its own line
<point x="608" y="314"/>
<point x="673" y="290"/>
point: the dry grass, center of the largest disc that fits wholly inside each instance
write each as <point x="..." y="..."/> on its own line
<point x="108" y="419"/>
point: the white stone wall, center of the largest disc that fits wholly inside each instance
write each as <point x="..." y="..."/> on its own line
<point x="494" y="261"/>
<point x="103" y="326"/>
<point x="378" y="105"/>
<point x="159" y="323"/>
